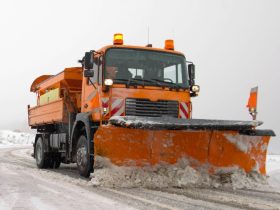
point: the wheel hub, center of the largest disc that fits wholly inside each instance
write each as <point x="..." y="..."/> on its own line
<point x="38" y="153"/>
<point x="81" y="156"/>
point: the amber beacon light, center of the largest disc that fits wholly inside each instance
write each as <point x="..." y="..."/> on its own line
<point x="169" y="44"/>
<point x="118" y="39"/>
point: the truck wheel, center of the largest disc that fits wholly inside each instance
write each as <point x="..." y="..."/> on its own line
<point x="41" y="157"/>
<point x="83" y="161"/>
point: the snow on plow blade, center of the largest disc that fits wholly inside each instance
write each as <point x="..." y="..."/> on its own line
<point x="213" y="145"/>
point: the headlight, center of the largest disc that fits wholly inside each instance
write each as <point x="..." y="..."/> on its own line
<point x="108" y="82"/>
<point x="195" y="88"/>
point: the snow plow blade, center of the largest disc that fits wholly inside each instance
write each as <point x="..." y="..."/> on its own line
<point x="215" y="146"/>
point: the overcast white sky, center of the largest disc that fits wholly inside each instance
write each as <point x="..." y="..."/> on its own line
<point x="234" y="44"/>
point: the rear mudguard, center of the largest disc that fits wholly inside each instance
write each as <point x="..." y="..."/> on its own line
<point x="211" y="145"/>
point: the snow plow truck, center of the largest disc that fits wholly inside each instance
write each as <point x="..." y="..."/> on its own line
<point x="132" y="105"/>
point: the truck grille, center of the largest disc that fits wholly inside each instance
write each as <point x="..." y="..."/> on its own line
<point x="147" y="108"/>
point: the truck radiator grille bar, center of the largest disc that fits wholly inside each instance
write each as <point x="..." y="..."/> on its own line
<point x="147" y="108"/>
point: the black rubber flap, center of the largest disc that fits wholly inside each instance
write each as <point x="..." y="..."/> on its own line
<point x="254" y="132"/>
<point x="167" y="123"/>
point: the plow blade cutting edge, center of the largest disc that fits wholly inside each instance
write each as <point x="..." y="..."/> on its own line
<point x="215" y="146"/>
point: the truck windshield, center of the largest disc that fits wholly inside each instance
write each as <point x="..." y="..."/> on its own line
<point x="149" y="68"/>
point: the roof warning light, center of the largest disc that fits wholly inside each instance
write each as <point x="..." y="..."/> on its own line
<point x="169" y="44"/>
<point x="118" y="39"/>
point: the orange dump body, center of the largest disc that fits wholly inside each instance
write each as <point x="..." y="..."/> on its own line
<point x="56" y="97"/>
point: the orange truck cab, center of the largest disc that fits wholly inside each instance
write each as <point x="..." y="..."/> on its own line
<point x="137" y="81"/>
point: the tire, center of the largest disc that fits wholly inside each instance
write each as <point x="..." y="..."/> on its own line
<point x="83" y="159"/>
<point x="40" y="155"/>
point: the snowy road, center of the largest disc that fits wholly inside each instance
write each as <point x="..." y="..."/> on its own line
<point x="23" y="186"/>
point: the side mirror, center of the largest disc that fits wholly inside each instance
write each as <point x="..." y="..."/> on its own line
<point x="88" y="73"/>
<point x="191" y="71"/>
<point x="88" y="60"/>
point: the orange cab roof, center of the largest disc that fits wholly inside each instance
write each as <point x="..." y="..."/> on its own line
<point x="103" y="49"/>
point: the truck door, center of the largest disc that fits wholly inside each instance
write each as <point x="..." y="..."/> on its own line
<point x="91" y="90"/>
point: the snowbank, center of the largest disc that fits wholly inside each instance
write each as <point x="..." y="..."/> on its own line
<point x="272" y="163"/>
<point x="273" y="171"/>
<point x="180" y="175"/>
<point x="13" y="138"/>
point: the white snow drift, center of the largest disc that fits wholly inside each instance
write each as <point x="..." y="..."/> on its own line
<point x="162" y="176"/>
<point x="13" y="138"/>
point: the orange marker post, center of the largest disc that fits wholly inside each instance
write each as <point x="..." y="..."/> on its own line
<point x="252" y="102"/>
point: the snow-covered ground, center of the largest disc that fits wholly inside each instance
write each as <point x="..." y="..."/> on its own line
<point x="15" y="138"/>
<point x="273" y="171"/>
<point x="180" y="175"/>
<point x="272" y="163"/>
<point x="24" y="186"/>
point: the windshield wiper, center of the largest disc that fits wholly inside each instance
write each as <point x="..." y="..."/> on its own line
<point x="176" y="86"/>
<point x="145" y="81"/>
<point x="125" y="81"/>
<point x="122" y="80"/>
<point x="133" y="81"/>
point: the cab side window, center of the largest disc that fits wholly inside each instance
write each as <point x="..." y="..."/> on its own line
<point x="100" y="65"/>
<point x="95" y="74"/>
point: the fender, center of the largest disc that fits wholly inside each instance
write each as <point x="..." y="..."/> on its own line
<point x="84" y="118"/>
